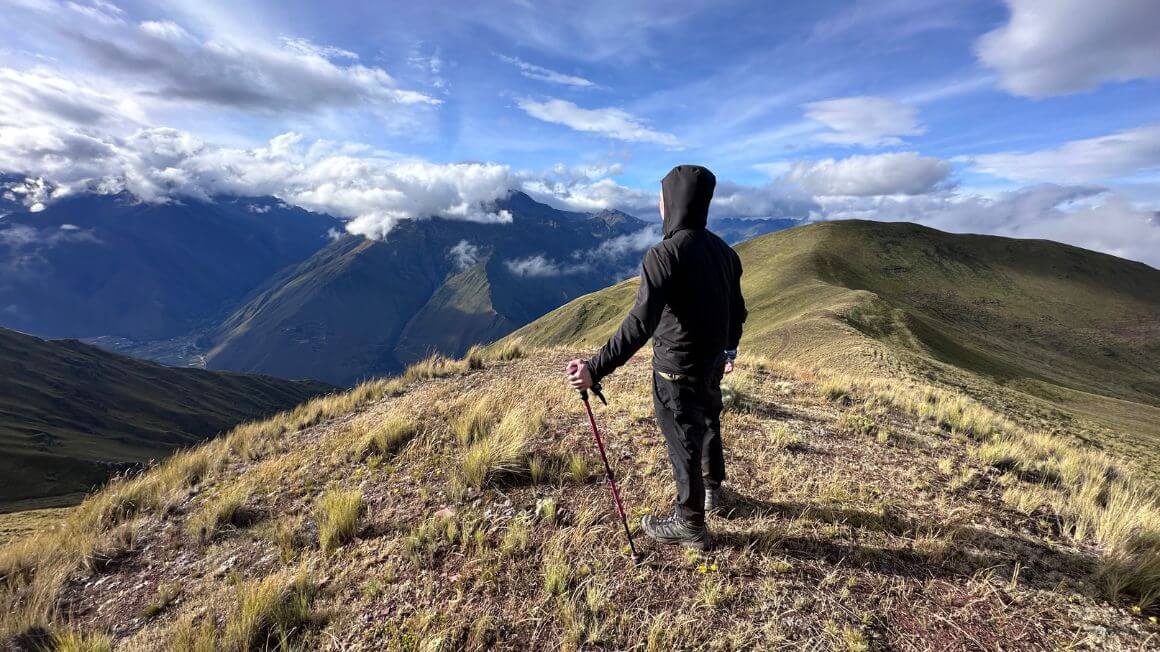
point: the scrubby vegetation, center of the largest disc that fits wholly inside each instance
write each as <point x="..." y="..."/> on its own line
<point x="454" y="510"/>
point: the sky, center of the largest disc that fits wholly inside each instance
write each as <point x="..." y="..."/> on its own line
<point x="1024" y="118"/>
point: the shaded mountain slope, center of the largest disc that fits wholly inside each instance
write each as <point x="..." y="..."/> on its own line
<point x="462" y="507"/>
<point x="94" y="265"/>
<point x="460" y="312"/>
<point x="1033" y="325"/>
<point x="361" y="307"/>
<point x="72" y="414"/>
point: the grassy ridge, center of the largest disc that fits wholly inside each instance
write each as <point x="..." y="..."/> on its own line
<point x="1063" y="337"/>
<point x="455" y="507"/>
<point x="72" y="414"/>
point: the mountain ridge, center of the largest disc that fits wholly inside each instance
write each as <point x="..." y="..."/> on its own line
<point x="72" y="415"/>
<point x="1011" y="320"/>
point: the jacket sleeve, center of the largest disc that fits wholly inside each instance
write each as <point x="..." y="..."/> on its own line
<point x="737" y="311"/>
<point x="642" y="320"/>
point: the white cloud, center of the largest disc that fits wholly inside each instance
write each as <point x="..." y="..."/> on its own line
<point x="164" y="61"/>
<point x="100" y="11"/>
<point x="589" y="196"/>
<point x="34" y="194"/>
<point x="38" y="96"/>
<point x="896" y="173"/>
<point x="429" y="61"/>
<point x="532" y="71"/>
<point x="463" y="254"/>
<point x="1123" y="153"/>
<point x="1084" y="216"/>
<point x="616" y="248"/>
<point x="19" y="236"/>
<point x="1054" y="47"/>
<point x="864" y="120"/>
<point x="611" y="122"/>
<point x="158" y="164"/>
<point x="539" y="266"/>
<point x="311" y="49"/>
<point x="770" y="200"/>
<point x="776" y="199"/>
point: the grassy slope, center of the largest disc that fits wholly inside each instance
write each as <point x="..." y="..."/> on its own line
<point x="17" y="524"/>
<point x="460" y="311"/>
<point x="1060" y="336"/>
<point x="71" y="413"/>
<point x="347" y="524"/>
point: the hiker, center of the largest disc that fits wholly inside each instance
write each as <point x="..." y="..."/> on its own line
<point x="690" y="303"/>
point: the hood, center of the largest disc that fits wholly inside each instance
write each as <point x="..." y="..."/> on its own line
<point x="687" y="190"/>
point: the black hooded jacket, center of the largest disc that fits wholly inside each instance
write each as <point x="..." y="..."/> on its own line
<point x="689" y="299"/>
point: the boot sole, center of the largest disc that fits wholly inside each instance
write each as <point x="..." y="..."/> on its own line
<point x="696" y="544"/>
<point x="701" y="546"/>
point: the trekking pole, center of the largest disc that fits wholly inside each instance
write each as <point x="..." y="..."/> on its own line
<point x="608" y="467"/>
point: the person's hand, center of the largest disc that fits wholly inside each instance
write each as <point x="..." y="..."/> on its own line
<point x="728" y="366"/>
<point x="579" y="377"/>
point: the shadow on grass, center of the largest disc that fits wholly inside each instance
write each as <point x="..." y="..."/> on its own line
<point x="957" y="551"/>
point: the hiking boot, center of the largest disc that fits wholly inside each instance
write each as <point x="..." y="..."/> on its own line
<point x="676" y="530"/>
<point x="712" y="501"/>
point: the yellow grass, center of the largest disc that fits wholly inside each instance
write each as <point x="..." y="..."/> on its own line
<point x="338" y="518"/>
<point x="387" y="437"/>
<point x="224" y="509"/>
<point x="504" y="450"/>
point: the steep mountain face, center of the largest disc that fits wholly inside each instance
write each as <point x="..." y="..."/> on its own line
<point x="72" y="414"/>
<point x="362" y="307"/>
<point x="94" y="265"/>
<point x="1013" y="319"/>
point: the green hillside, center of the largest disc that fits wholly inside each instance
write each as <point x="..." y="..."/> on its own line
<point x="458" y="313"/>
<point x="72" y="414"/>
<point x="1047" y="331"/>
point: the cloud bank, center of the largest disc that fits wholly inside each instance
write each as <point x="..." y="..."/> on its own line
<point x="1067" y="46"/>
<point x="1123" y="153"/>
<point x="299" y="77"/>
<point x="898" y="173"/>
<point x="1087" y="216"/>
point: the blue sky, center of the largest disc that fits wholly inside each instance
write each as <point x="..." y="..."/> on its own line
<point x="1026" y="118"/>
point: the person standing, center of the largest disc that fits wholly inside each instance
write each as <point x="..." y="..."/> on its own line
<point x="690" y="304"/>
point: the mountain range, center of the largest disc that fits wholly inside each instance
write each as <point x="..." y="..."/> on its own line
<point x="256" y="285"/>
<point x="91" y="265"/>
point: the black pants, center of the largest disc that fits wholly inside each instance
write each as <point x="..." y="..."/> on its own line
<point x="689" y="413"/>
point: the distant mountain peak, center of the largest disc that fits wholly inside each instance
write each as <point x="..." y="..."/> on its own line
<point x="612" y="216"/>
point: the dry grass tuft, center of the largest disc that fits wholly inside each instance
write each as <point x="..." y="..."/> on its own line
<point x="388" y="437"/>
<point x="578" y="466"/>
<point x="783" y="438"/>
<point x="505" y="450"/>
<point x="476" y="423"/>
<point x="228" y="508"/>
<point x="74" y="641"/>
<point x="507" y="350"/>
<point x="266" y="614"/>
<point x="339" y="512"/>
<point x="188" y="636"/>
